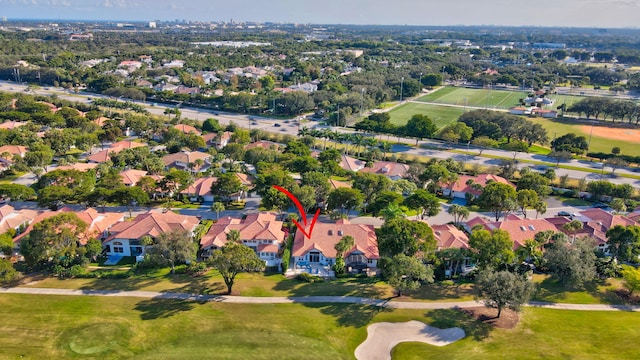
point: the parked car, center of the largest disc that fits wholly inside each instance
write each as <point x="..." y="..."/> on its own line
<point x="564" y="213"/>
<point x="277" y="125"/>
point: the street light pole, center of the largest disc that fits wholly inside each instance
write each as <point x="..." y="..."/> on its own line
<point x="362" y="101"/>
<point x="401" y="87"/>
<point x="420" y="83"/>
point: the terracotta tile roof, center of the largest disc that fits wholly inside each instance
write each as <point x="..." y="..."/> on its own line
<point x="351" y="164"/>
<point x="187" y="129"/>
<point x="100" y="156"/>
<point x="200" y="186"/>
<point x="325" y="236"/>
<point x="209" y="138"/>
<point x="263" y="144"/>
<point x="131" y="177"/>
<point x="96" y="222"/>
<point x="101" y="121"/>
<point x="272" y="248"/>
<point x="84" y="167"/>
<point x="387" y="168"/>
<point x="14" y="149"/>
<point x="126" y="144"/>
<point x="152" y="224"/>
<point x="521" y="230"/>
<point x="10" y="125"/>
<point x="12" y="219"/>
<point x="185" y="157"/>
<point x="246" y="180"/>
<point x="607" y="219"/>
<point x="461" y="184"/>
<point x="449" y="236"/>
<point x="257" y="226"/>
<point x="335" y="184"/>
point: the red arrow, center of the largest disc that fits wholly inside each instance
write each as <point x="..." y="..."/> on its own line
<point x="303" y="213"/>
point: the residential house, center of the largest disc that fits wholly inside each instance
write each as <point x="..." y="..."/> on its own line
<point x="174" y="64"/>
<point x="336" y="184"/>
<point x="12" y="219"/>
<point x="520" y="230"/>
<point x="125" y="238"/>
<point x="182" y="160"/>
<point x="12" y="151"/>
<point x="222" y="140"/>
<point x="351" y="164"/>
<point x="448" y="236"/>
<point x="595" y="224"/>
<point x="144" y="84"/>
<point x="104" y="155"/>
<point x="471" y="185"/>
<point x="200" y="190"/>
<point x="306" y="87"/>
<point x="259" y="231"/>
<point x="97" y="223"/>
<point x="319" y="250"/>
<point x="131" y="177"/>
<point x="184" y="90"/>
<point x="549" y="114"/>
<point x="12" y="124"/>
<point x="82" y="167"/>
<point x="187" y="129"/>
<point x="392" y="170"/>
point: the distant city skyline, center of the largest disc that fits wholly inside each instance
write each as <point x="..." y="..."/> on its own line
<point x="569" y="13"/>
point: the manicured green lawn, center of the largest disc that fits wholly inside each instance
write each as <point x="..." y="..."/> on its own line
<point x="489" y="98"/>
<point x="212" y="283"/>
<point x="598" y="293"/>
<point x="440" y="115"/>
<point x="541" y="334"/>
<point x="69" y="327"/>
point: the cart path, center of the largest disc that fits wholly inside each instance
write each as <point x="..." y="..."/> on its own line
<point x="306" y="299"/>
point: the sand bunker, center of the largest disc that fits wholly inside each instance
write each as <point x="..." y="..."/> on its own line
<point x="383" y="337"/>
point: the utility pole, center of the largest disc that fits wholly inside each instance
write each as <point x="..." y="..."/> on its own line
<point x="420" y="83"/>
<point x="401" y="87"/>
<point x="362" y="102"/>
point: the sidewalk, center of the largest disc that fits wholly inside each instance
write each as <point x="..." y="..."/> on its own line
<point x="394" y="304"/>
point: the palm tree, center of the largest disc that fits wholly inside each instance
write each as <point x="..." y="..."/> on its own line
<point x="458" y="212"/>
<point x="344" y="244"/>
<point x="233" y="236"/>
<point x="540" y="207"/>
<point x="197" y="164"/>
<point x="217" y="207"/>
<point x="392" y="211"/>
<point x="572" y="228"/>
<point x="530" y="251"/>
<point x="386" y="147"/>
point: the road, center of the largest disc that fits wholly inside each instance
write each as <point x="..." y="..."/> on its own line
<point x="427" y="148"/>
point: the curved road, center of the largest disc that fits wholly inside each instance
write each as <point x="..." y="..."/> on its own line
<point x="308" y="299"/>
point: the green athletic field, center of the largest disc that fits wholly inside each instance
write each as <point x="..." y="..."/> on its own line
<point x="440" y="115"/>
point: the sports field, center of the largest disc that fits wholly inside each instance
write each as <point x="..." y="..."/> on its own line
<point x="488" y="98"/>
<point x="440" y="115"/>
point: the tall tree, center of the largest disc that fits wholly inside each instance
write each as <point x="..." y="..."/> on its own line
<point x="173" y="247"/>
<point x="345" y="199"/>
<point x="426" y="203"/>
<point x="419" y="126"/>
<point x="407" y="273"/>
<point x="402" y="236"/>
<point x="503" y="289"/>
<point x="491" y="249"/>
<point x="571" y="264"/>
<point x="217" y="207"/>
<point x="498" y="198"/>
<point x="233" y="259"/>
<point x="458" y="212"/>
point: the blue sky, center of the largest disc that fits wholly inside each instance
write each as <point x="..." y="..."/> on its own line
<point x="576" y="13"/>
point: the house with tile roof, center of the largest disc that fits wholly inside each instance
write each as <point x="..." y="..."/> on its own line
<point x="200" y="190"/>
<point x="472" y="185"/>
<point x="12" y="219"/>
<point x="13" y="150"/>
<point x="131" y="177"/>
<point x="98" y="223"/>
<point x="351" y="164"/>
<point x="125" y="237"/>
<point x="259" y="231"/>
<point x="520" y="230"/>
<point x="187" y="129"/>
<point x="12" y="124"/>
<point x="392" y="170"/>
<point x="448" y="236"/>
<point x="181" y="160"/>
<point x="320" y="248"/>
<point x="82" y="167"/>
<point x="595" y="224"/>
